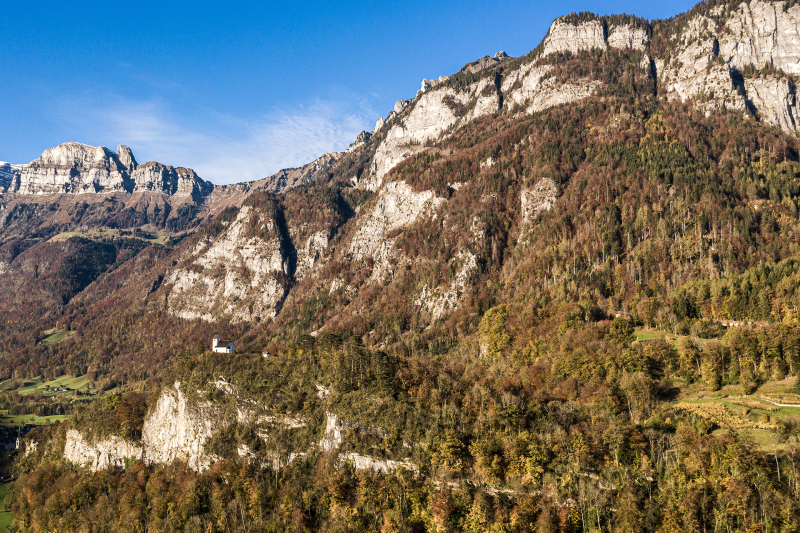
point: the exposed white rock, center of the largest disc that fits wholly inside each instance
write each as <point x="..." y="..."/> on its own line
<point x="397" y="205"/>
<point x="541" y="197"/>
<point x="437" y="301"/>
<point x="433" y="113"/>
<point x="364" y="462"/>
<point x="775" y="101"/>
<point x="176" y="430"/>
<point x="75" y="168"/>
<point x="110" y="452"/>
<point x="174" y="181"/>
<point x="125" y="156"/>
<point x="627" y="36"/>
<point x="378" y="125"/>
<point x="360" y="141"/>
<point x="236" y="275"/>
<point x="754" y="34"/>
<point x="311" y="252"/>
<point x="566" y="37"/>
<point x="485" y="105"/>
<point x="323" y="393"/>
<point x="401" y="105"/>
<point x="763" y="32"/>
<point x="335" y="428"/>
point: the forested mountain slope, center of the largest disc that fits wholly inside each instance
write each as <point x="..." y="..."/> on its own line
<point x="548" y="294"/>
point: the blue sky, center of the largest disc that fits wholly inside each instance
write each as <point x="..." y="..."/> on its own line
<point x="239" y="90"/>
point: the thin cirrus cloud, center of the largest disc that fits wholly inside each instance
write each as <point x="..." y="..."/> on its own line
<point x="224" y="149"/>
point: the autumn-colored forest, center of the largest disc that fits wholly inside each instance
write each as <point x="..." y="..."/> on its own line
<point x="586" y="379"/>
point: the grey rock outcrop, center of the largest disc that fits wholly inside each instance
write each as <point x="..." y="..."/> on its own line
<point x="173" y="181"/>
<point x="708" y="66"/>
<point x="237" y="275"/>
<point x="566" y="37"/>
<point x="125" y="156"/>
<point x="176" y="430"/>
<point x="400" y="105"/>
<point x="73" y="168"/>
<point x="294" y="177"/>
<point x="360" y="141"/>
<point x="429" y="84"/>
<point x="110" y="452"/>
<point x="627" y="36"/>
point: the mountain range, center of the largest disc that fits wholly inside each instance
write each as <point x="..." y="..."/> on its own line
<point x="463" y="278"/>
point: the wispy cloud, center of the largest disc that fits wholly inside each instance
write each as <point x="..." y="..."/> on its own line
<point x="225" y="149"/>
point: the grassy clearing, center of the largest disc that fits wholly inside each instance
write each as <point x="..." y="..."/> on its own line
<point x="14" y="421"/>
<point x="75" y="383"/>
<point x="105" y="233"/>
<point x="730" y="408"/>
<point x="643" y="335"/>
<point x="56" y="335"/>
<point x="5" y="514"/>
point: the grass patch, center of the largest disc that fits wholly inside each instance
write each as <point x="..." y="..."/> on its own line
<point x="70" y="382"/>
<point x="155" y="237"/>
<point x="644" y="335"/>
<point x="5" y="514"/>
<point x="57" y="336"/>
<point x="14" y="421"/>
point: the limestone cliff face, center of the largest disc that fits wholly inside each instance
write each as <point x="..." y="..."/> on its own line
<point x="709" y="64"/>
<point x="75" y="168"/>
<point x="627" y="36"/>
<point x="110" y="452"/>
<point x="431" y="114"/>
<point x="396" y="206"/>
<point x="173" y="181"/>
<point x="237" y="274"/>
<point x="566" y="37"/>
<point x="176" y="430"/>
<point x="762" y="32"/>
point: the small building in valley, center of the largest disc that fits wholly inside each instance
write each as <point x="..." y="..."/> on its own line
<point x="220" y="345"/>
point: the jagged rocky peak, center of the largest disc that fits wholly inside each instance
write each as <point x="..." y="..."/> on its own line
<point x="362" y="138"/>
<point x="76" y="168"/>
<point x="125" y="156"/>
<point x="400" y="105"/>
<point x="77" y="156"/>
<point x="429" y="84"/>
<point x="484" y="62"/>
<point x="294" y="177"/>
